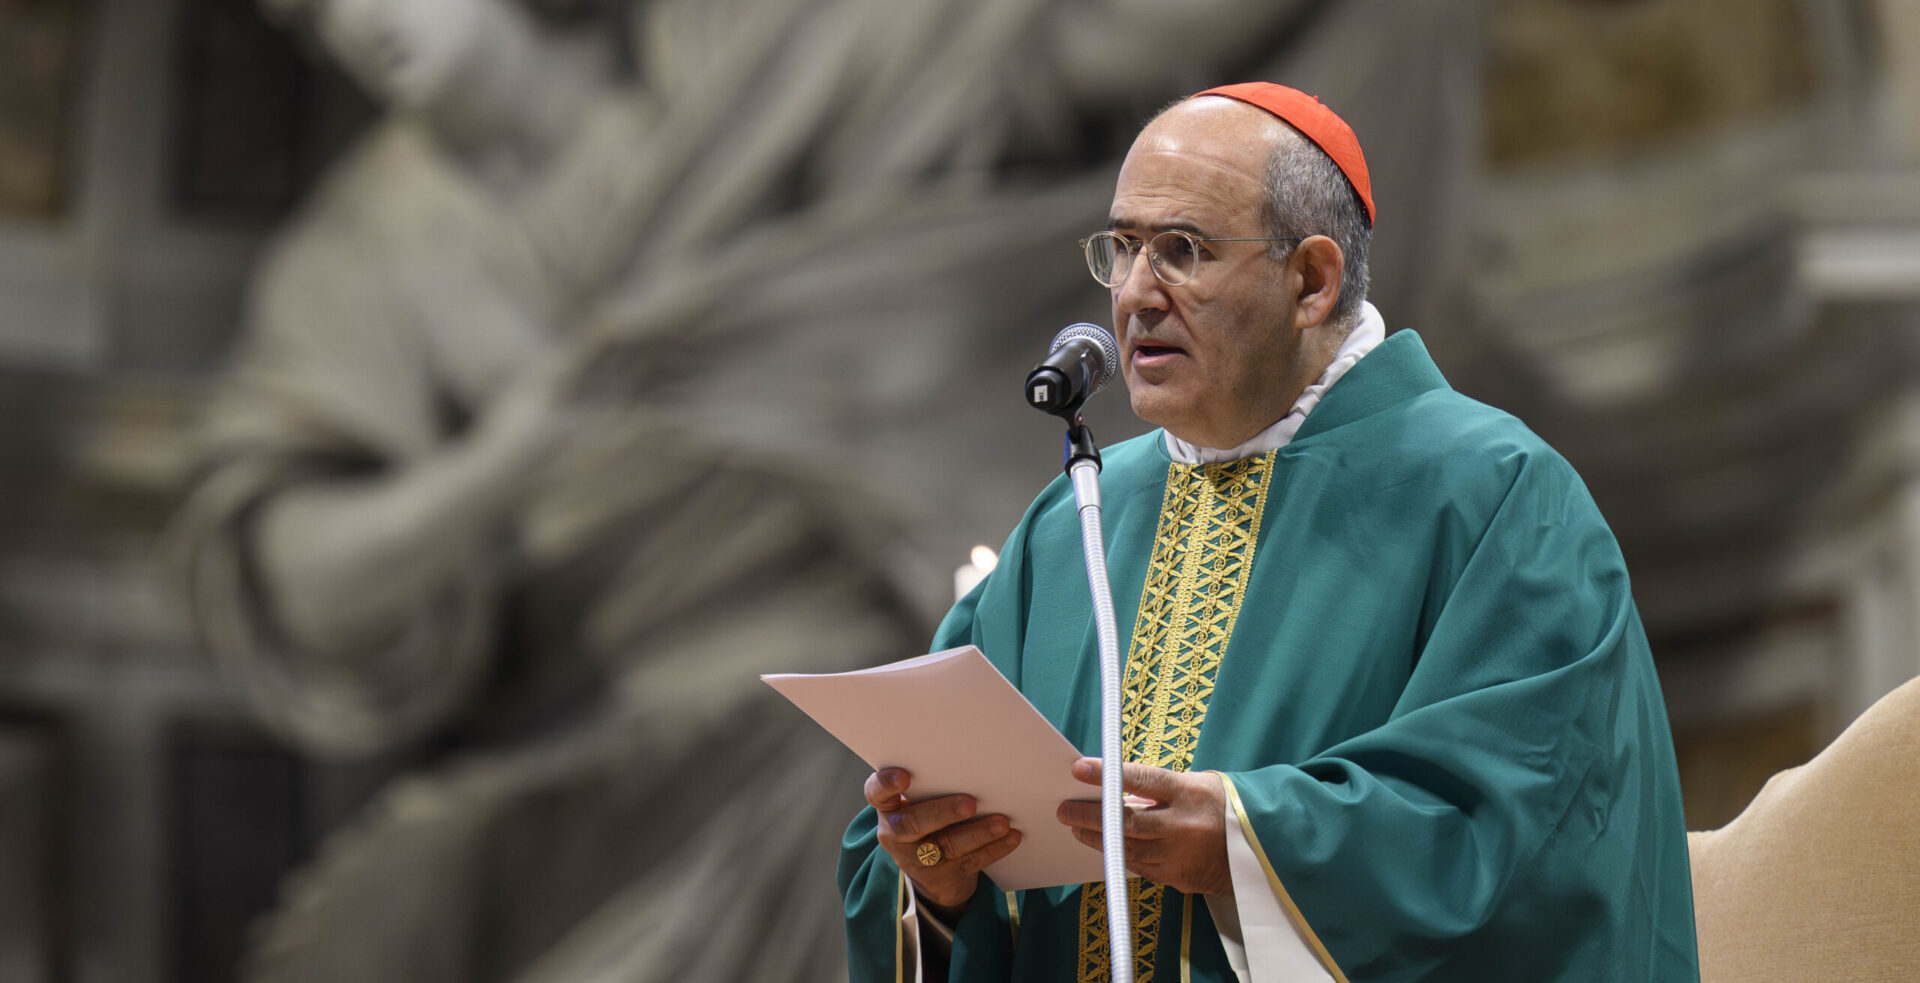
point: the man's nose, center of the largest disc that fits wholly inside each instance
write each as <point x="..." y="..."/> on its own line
<point x="1142" y="289"/>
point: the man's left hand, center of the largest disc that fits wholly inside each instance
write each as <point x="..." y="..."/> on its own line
<point x="1180" y="840"/>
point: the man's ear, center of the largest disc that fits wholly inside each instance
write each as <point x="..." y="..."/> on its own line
<point x="1319" y="263"/>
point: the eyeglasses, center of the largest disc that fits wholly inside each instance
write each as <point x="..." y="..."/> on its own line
<point x="1173" y="255"/>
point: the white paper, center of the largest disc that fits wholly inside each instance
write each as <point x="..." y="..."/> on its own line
<point x="958" y="726"/>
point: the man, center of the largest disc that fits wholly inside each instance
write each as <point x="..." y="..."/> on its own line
<point x="1386" y="687"/>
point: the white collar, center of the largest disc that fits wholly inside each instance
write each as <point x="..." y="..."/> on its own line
<point x="1371" y="330"/>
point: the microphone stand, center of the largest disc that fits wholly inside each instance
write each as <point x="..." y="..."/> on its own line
<point x="1082" y="359"/>
<point x="1083" y="469"/>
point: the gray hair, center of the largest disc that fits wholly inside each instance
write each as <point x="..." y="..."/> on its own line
<point x="1307" y="194"/>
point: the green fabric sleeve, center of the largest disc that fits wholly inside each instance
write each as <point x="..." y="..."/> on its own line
<point x="1502" y="767"/>
<point x="870" y="886"/>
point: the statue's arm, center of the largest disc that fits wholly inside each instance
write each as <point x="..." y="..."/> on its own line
<point x="338" y="541"/>
<point x="347" y="559"/>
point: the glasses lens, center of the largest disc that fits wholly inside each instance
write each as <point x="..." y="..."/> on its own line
<point x="1173" y="256"/>
<point x="1107" y="257"/>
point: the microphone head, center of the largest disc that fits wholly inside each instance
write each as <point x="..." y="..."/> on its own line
<point x="1102" y="339"/>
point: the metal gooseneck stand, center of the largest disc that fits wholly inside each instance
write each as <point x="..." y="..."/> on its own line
<point x="1047" y="390"/>
<point x="1083" y="469"/>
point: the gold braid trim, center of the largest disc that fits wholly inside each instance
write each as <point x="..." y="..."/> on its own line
<point x="1196" y="576"/>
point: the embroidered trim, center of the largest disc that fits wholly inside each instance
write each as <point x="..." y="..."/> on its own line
<point x="1096" y="961"/>
<point x="1196" y="577"/>
<point x="1013" y="915"/>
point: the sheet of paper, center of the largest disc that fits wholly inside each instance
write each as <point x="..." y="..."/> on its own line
<point x="957" y="725"/>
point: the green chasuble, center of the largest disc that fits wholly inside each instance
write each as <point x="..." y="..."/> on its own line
<point x="1407" y="641"/>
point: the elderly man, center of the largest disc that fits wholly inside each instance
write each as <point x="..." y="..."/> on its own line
<point x="1386" y="687"/>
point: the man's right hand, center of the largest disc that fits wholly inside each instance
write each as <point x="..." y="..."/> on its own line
<point x="967" y="844"/>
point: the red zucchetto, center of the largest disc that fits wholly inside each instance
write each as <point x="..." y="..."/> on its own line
<point x="1315" y="121"/>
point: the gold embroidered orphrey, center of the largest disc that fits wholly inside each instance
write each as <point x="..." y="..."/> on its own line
<point x="1201" y="561"/>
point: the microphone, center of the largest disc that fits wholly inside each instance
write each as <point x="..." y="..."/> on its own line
<point x="1083" y="359"/>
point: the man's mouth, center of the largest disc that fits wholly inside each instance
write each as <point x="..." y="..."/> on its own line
<point x="1156" y="351"/>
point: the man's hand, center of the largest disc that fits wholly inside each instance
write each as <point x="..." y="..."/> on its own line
<point x="1180" y="840"/>
<point x="967" y="844"/>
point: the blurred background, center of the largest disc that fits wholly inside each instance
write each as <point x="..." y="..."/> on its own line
<point x="245" y="247"/>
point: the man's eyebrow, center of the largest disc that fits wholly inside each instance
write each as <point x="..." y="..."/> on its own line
<point x="1116" y="222"/>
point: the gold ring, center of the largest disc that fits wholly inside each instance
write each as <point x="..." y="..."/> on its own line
<point x="929" y="854"/>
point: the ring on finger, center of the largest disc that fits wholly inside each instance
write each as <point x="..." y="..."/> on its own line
<point x="929" y="854"/>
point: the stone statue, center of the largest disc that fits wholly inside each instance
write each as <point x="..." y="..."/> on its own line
<point x="582" y="392"/>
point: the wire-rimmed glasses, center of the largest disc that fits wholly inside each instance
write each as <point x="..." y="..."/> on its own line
<point x="1173" y="255"/>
